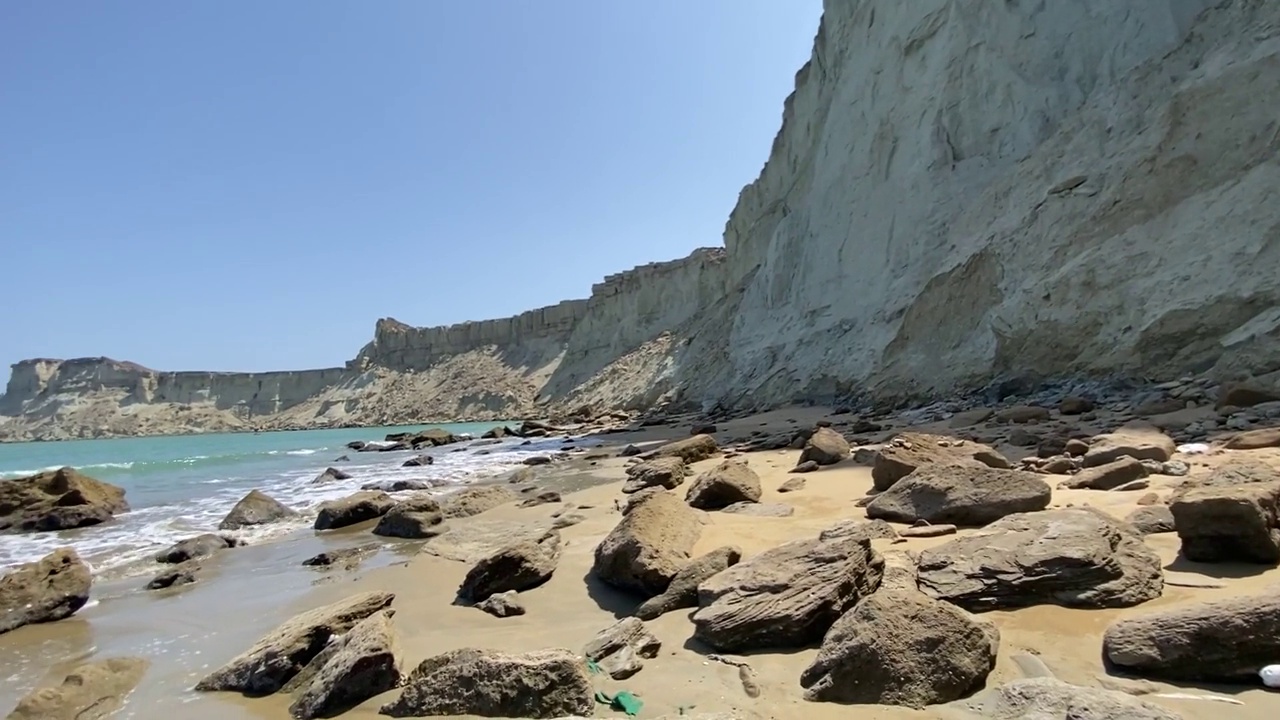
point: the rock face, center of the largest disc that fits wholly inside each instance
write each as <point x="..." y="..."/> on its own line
<point x="92" y="691"/>
<point x="785" y="597"/>
<point x="415" y="518"/>
<point x="360" y="507"/>
<point x="194" y="548"/>
<point x="1224" y="641"/>
<point x="256" y="508"/>
<point x="1229" y="524"/>
<point x="543" y="684"/>
<point x="665" y="472"/>
<point x="517" y="567"/>
<point x="1071" y="557"/>
<point x="619" y="648"/>
<point x="900" y="647"/>
<point x="357" y="666"/>
<point x="51" y="589"/>
<point x="907" y="452"/>
<point x="278" y="657"/>
<point x="683" y="590"/>
<point x="825" y="447"/>
<point x="960" y="495"/>
<point x="732" y="481"/>
<point x="651" y="543"/>
<point x="58" y="500"/>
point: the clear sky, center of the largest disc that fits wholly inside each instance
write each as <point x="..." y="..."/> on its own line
<point x="211" y="185"/>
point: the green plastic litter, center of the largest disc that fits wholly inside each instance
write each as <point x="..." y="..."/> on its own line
<point x="593" y="667"/>
<point x="621" y="700"/>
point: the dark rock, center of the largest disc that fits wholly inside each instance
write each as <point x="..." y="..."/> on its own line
<point x="1229" y="524"/>
<point x="432" y="437"/>
<point x="50" y="589"/>
<point x="732" y="481"/>
<point x="342" y="458"/>
<point x="1075" y="405"/>
<point x="1107" y="477"/>
<point x="499" y="432"/>
<point x="1057" y="466"/>
<point x="543" y="684"/>
<point x="415" y="518"/>
<point x="356" y="445"/>
<point x="330" y="475"/>
<point x="960" y="495"/>
<point x="649" y="545"/>
<point x="419" y="461"/>
<point x="666" y="472"/>
<point x="197" y="547"/>
<point x="807" y="466"/>
<point x="256" y="508"/>
<point x="501" y="605"/>
<point x="1075" y="447"/>
<point x="703" y="430"/>
<point x="904" y="453"/>
<point x="357" y="508"/>
<point x="618" y="649"/>
<point x="175" y="576"/>
<point x="630" y="451"/>
<point x="60" y="499"/>
<point x="691" y="450"/>
<point x="825" y="447"/>
<point x="519" y="567"/>
<point x="537" y="460"/>
<point x="91" y="691"/>
<point x="683" y="590"/>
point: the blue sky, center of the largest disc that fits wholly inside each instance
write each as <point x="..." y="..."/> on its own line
<point x="249" y="186"/>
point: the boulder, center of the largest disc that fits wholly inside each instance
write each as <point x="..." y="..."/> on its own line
<point x="825" y="447"/>
<point x="792" y="485"/>
<point x="478" y="538"/>
<point x="537" y="460"/>
<point x="1022" y="414"/>
<point x="503" y="604"/>
<point x="415" y="518"/>
<point x="475" y="500"/>
<point x="1107" y="477"/>
<point x="58" y="500"/>
<point x="732" y="481"/>
<point x="419" y="461"/>
<point x="351" y="669"/>
<point x="199" y="546"/>
<point x="1246" y="394"/>
<point x="1222" y="641"/>
<point x="1074" y="557"/>
<point x="758" y="509"/>
<point x="618" y="649"/>
<point x="1137" y="442"/>
<point x="91" y="691"/>
<point x="860" y="530"/>
<point x="256" y="508"/>
<point x="691" y="450"/>
<point x="1044" y="698"/>
<point x="395" y="486"/>
<point x="904" y="453"/>
<point x="960" y="495"/>
<point x="543" y="684"/>
<point x="664" y="472"/>
<point x="175" y="576"/>
<point x="521" y="566"/>
<point x="1229" y="523"/>
<point x="1152" y="519"/>
<point x="330" y="475"/>
<point x="683" y="590"/>
<point x="786" y="597"/>
<point x="807" y="466"/>
<point x="502" y="431"/>
<point x="432" y="437"/>
<point x="901" y="647"/>
<point x="1255" y="439"/>
<point x="284" y="652"/>
<point x="50" y="589"/>
<point x="357" y="508"/>
<point x="651" y="543"/>
<point x="1075" y="405"/>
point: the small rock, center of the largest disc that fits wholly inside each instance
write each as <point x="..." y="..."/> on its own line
<point x="537" y="460"/>
<point x="619" y="647"/>
<point x="1152" y="519"/>
<point x="793" y="485"/>
<point x="1139" y="443"/>
<point x="567" y="520"/>
<point x="391" y="486"/>
<point x="691" y="450"/>
<point x="1132" y="486"/>
<point x="501" y="605"/>
<point x="807" y="466"/>
<point x="630" y="451"/>
<point x="175" y="576"/>
<point x="196" y="547"/>
<point x="666" y="472"/>
<point x="330" y="475"/>
<point x="347" y="557"/>
<point x="860" y="530"/>
<point x="1075" y="448"/>
<point x="928" y="531"/>
<point x="703" y="430"/>
<point x="91" y="691"/>
<point x="1022" y="414"/>
<point x="759" y="509"/>
<point x="1175" y="468"/>
<point x="1149" y="499"/>
<point x="1109" y="476"/>
<point x="1057" y="466"/>
<point x="1075" y="405"/>
<point x="519" y="567"/>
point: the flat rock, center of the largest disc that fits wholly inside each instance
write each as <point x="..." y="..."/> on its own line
<point x="824" y="447"/>
<point x="901" y="647"/>
<point x="284" y="652"/>
<point x="91" y="691"/>
<point x="357" y="508"/>
<point x="683" y="590"/>
<point x="50" y="589"/>
<point x="1152" y="519"/>
<point x="415" y="518"/>
<point x="1139" y="443"/>
<point x="194" y="548"/>
<point x="175" y="576"/>
<point x="664" y="472"/>
<point x="1049" y="699"/>
<point x="60" y="499"/>
<point x="543" y="684"/>
<point x="732" y="481"/>
<point x="520" y="566"/>
<point x="618" y="649"/>
<point x="691" y="450"/>
<point x="475" y="500"/>
<point x="1074" y="557"/>
<point x="472" y="541"/>
<point x="759" y="509"/>
<point x="860" y="530"/>
<point x="1229" y="524"/>
<point x="1222" y="641"/>
<point x="651" y="543"/>
<point x="904" y="453"/>
<point x="968" y="495"/>
<point x="1110" y="476"/>
<point x="786" y="597"/>
<point x="359" y="665"/>
<point x="503" y="604"/>
<point x="256" y="508"/>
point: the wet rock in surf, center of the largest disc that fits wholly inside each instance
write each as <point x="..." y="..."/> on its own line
<point x="60" y="499"/>
<point x="175" y="576"/>
<point x="50" y="589"/>
<point x="197" y="547"/>
<point x="330" y="475"/>
<point x="357" y="508"/>
<point x="256" y="508"/>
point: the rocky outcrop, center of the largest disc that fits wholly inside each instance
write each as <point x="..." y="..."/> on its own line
<point x="51" y="589"/>
<point x="60" y="499"/>
<point x="1049" y="699"/>
<point x="649" y="546"/>
<point x="475" y="500"/>
<point x="91" y="691"/>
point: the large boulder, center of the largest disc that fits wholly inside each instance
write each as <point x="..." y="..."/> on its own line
<point x="351" y="669"/>
<point x="683" y="590"/>
<point x="904" y="453"/>
<point x="50" y="589"/>
<point x="651" y="543"/>
<point x="618" y="649"/>
<point x="732" y="481"/>
<point x="664" y="472"/>
<point x="518" y="567"/>
<point x="1075" y="557"/>
<point x="1137" y="442"/>
<point x="256" y="508"/>
<point x="1223" y="641"/>
<point x="1107" y="477"/>
<point x="542" y="684"/>
<point x="960" y="495"/>
<point x="284" y="652"/>
<point x="1229" y="523"/>
<point x="356" y="508"/>
<point x="1043" y="698"/>
<point x="90" y="691"/>
<point x="691" y="450"/>
<point x="475" y="500"/>
<point x="901" y="647"/>
<point x="194" y="548"/>
<point x="58" y="500"/>
<point x="415" y="518"/>
<point x="825" y="447"/>
<point x="786" y="597"/>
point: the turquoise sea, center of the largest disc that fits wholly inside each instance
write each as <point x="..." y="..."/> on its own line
<point x="178" y="486"/>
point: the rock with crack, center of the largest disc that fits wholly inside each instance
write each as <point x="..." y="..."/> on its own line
<point x="1110" y="476"/>
<point x="61" y="499"/>
<point x="732" y="481"/>
<point x="520" y="566"/>
<point x="175" y="576"/>
<point x="1074" y="557"/>
<point x="901" y="647"/>
<point x="1221" y="641"/>
<point x="200" y="546"/>
<point x="691" y="450"/>
<point x="905" y="453"/>
<point x="1049" y="699"/>
<point x="651" y="543"/>
<point x="683" y="590"/>
<point x="281" y="654"/>
<point x="542" y="684"/>
<point x="48" y="590"/>
<point x="503" y="604"/>
<point x="664" y="472"/>
<point x="960" y="495"/>
<point x="825" y="447"/>
<point x="1229" y="524"/>
<point x="417" y="517"/>
<point x="256" y="508"/>
<point x="351" y="669"/>
<point x="1152" y="519"/>
<point x="1137" y="442"/>
<point x="618" y="649"/>
<point x="91" y="691"/>
<point x="356" y="508"/>
<point x="786" y="597"/>
<point x="475" y="500"/>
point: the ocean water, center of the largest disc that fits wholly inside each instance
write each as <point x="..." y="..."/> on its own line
<point x="181" y="486"/>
